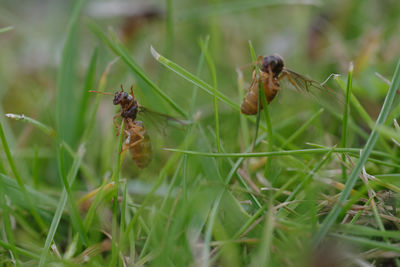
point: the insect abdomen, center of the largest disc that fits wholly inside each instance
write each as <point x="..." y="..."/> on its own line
<point x="249" y="104"/>
<point x="141" y="153"/>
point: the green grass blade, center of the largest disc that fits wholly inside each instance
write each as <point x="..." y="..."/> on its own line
<point x="85" y="95"/>
<point x="302" y="128"/>
<point x="6" y="29"/>
<point x="337" y="209"/>
<point x="75" y="216"/>
<point x="213" y="73"/>
<point x="263" y="254"/>
<point x="243" y="124"/>
<point x="7" y="222"/>
<point x="192" y="78"/>
<point x="262" y="100"/>
<point x="20" y="182"/>
<point x="44" y="128"/>
<point x="66" y="93"/>
<point x="368" y="231"/>
<point x="61" y="205"/>
<point x="276" y="153"/>
<point x="198" y="82"/>
<point x="356" y="104"/>
<point x="103" y="81"/>
<point x="115" y="178"/>
<point x="260" y="92"/>
<point x="170" y="164"/>
<point x="346" y="116"/>
<point x="208" y="232"/>
<point x="369" y="243"/>
<point x="20" y="251"/>
<point x="133" y="66"/>
<point x="310" y="175"/>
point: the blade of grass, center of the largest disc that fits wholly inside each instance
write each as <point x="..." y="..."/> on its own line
<point x="84" y="97"/>
<point x="191" y="112"/>
<point x="21" y="184"/>
<point x="61" y="205"/>
<point x="118" y="49"/>
<point x="6" y="29"/>
<point x="263" y="100"/>
<point x="38" y="197"/>
<point x="74" y="213"/>
<point x="267" y="171"/>
<point x="20" y="251"/>
<point x="276" y="153"/>
<point x="198" y="82"/>
<point x="302" y="128"/>
<point x="368" y="231"/>
<point x="7" y="222"/>
<point x="361" y="111"/>
<point x="211" y="67"/>
<point x="192" y="78"/>
<point x="208" y="232"/>
<point x="243" y="125"/>
<point x="101" y="86"/>
<point x="172" y="160"/>
<point x="262" y="256"/>
<point x="115" y="178"/>
<point x="310" y="175"/>
<point x="260" y="92"/>
<point x="368" y="242"/>
<point x="345" y="118"/>
<point x="44" y="128"/>
<point x="65" y="102"/>
<point x="337" y="209"/>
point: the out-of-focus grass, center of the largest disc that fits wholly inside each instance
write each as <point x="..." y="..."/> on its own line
<point x="215" y="195"/>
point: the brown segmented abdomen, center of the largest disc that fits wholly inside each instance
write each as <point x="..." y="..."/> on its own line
<point x="249" y="104"/>
<point x="141" y="153"/>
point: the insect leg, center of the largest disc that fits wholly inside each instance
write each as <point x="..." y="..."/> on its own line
<point x="253" y="80"/>
<point x="128" y="146"/>
<point x="285" y="74"/>
<point x="271" y="83"/>
<point x="115" y="123"/>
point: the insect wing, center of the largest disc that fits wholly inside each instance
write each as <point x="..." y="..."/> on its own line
<point x="304" y="84"/>
<point x="161" y="121"/>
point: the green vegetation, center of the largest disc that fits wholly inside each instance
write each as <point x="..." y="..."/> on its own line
<point x="313" y="176"/>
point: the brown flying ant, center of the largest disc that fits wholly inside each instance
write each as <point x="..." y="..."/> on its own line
<point x="136" y="137"/>
<point x="271" y="70"/>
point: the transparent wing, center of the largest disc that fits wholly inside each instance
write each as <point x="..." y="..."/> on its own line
<point x="304" y="84"/>
<point x="161" y="121"/>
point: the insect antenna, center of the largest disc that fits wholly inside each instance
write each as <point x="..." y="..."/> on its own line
<point x="103" y="93"/>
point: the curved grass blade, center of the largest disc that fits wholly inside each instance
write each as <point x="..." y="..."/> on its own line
<point x="61" y="205"/>
<point x="118" y="49"/>
<point x="198" y="82"/>
<point x="44" y="128"/>
<point x="20" y="182"/>
<point x="337" y="209"/>
<point x="345" y="117"/>
<point x="6" y="29"/>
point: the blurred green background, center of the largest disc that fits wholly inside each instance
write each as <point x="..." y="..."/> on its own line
<point x="45" y="72"/>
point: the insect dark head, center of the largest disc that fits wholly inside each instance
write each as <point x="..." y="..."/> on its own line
<point x="121" y="98"/>
<point x="272" y="63"/>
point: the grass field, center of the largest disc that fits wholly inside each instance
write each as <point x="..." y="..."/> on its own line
<point x="312" y="180"/>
